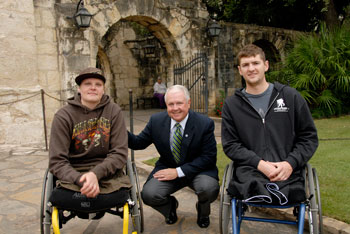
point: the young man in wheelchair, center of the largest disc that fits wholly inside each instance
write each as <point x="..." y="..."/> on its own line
<point x="269" y="133"/>
<point x="88" y="145"/>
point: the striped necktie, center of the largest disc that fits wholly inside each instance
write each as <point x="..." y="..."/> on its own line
<point x="176" y="144"/>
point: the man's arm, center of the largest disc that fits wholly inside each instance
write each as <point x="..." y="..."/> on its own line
<point x="60" y="141"/>
<point x="143" y="140"/>
<point x="306" y="140"/>
<point x="231" y="142"/>
<point x="118" y="148"/>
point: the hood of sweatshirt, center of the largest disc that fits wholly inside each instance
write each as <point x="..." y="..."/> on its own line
<point x="76" y="101"/>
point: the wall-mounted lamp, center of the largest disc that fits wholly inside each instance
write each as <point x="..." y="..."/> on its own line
<point x="82" y="16"/>
<point x="149" y="49"/>
<point x="214" y="29"/>
<point x="136" y="51"/>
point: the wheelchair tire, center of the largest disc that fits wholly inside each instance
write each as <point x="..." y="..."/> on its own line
<point x="139" y="200"/>
<point x="225" y="213"/>
<point x="318" y="201"/>
<point x="45" y="210"/>
<point x="136" y="212"/>
<point x="314" y="212"/>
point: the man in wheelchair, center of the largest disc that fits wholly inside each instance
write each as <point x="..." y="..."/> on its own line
<point x="89" y="149"/>
<point x="269" y="133"/>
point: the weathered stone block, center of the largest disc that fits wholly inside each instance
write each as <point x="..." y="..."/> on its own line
<point x="43" y="3"/>
<point x="48" y="62"/>
<point x="11" y="71"/>
<point x="45" y="34"/>
<point x="112" y="15"/>
<point x="119" y="83"/>
<point x="48" y="18"/>
<point x="132" y="83"/>
<point x="21" y="6"/>
<point x="16" y="24"/>
<point x="18" y="46"/>
<point x="82" y="47"/>
<point x="23" y="133"/>
<point x="47" y="48"/>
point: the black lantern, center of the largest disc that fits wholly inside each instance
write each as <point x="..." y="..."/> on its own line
<point x="149" y="49"/>
<point x="135" y="51"/>
<point x="82" y="16"/>
<point x="214" y="29"/>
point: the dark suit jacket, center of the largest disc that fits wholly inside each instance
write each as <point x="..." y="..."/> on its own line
<point x="198" y="147"/>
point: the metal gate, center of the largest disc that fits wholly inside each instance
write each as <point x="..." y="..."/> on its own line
<point x="194" y="76"/>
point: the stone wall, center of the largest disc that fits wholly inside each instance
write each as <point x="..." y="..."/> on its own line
<point x="20" y="121"/>
<point x="42" y="49"/>
<point x="274" y="42"/>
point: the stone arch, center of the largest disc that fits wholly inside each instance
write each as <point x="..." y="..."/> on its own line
<point x="119" y="58"/>
<point x="271" y="52"/>
<point x="103" y="63"/>
<point x="168" y="26"/>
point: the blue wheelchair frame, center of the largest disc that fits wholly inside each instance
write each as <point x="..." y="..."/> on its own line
<point x="235" y="207"/>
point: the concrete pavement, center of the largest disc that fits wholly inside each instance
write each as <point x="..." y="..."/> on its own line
<point x="21" y="174"/>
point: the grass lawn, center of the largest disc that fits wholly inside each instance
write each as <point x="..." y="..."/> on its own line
<point x="332" y="162"/>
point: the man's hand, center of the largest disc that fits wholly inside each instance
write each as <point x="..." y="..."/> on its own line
<point x="166" y="174"/>
<point x="90" y="185"/>
<point x="275" y="171"/>
<point x="282" y="172"/>
<point x="266" y="168"/>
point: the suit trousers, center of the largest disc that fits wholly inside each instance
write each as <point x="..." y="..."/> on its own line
<point x="157" y="193"/>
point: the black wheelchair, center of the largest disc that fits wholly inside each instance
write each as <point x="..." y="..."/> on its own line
<point x="232" y="210"/>
<point x="124" y="203"/>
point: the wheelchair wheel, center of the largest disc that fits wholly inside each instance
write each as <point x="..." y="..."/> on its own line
<point x="138" y="194"/>
<point x="137" y="210"/>
<point x="315" y="209"/>
<point x="45" y="210"/>
<point x="225" y="213"/>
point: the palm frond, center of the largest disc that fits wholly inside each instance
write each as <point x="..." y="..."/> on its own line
<point x="327" y="100"/>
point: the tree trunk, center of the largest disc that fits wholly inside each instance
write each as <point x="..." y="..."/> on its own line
<point x="331" y="15"/>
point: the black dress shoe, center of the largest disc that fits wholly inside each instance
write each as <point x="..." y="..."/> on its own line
<point x="172" y="216"/>
<point x="202" y="221"/>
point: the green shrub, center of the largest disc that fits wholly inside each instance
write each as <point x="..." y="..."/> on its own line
<point x="318" y="66"/>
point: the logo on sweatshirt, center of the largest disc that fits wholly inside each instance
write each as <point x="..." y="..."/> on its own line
<point x="91" y="132"/>
<point x="281" y="107"/>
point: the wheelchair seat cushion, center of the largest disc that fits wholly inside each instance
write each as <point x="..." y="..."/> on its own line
<point x="250" y="185"/>
<point x="71" y="200"/>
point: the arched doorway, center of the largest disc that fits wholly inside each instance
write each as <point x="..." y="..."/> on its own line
<point x="134" y="57"/>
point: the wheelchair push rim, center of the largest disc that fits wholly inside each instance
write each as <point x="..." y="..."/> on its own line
<point x="137" y="209"/>
<point x="225" y="203"/>
<point x="139" y="200"/>
<point x="45" y="210"/>
<point x="313" y="192"/>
